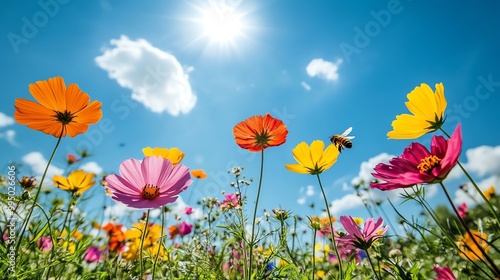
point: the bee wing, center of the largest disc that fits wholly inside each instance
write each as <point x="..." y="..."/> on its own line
<point x="346" y="132"/>
<point x="350" y="137"/>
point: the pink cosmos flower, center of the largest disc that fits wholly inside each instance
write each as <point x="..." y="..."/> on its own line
<point x="444" y="273"/>
<point x="151" y="183"/>
<point x="92" y="254"/>
<point x="185" y="228"/>
<point x="188" y="210"/>
<point x="462" y="210"/>
<point x="372" y="231"/>
<point x="45" y="243"/>
<point x="417" y="165"/>
<point x="231" y="201"/>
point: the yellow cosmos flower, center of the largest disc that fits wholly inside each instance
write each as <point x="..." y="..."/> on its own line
<point x="358" y="221"/>
<point x="490" y="192"/>
<point x="312" y="159"/>
<point x="77" y="182"/>
<point x="173" y="154"/>
<point x="320" y="273"/>
<point x="427" y="108"/>
<point x="151" y="241"/>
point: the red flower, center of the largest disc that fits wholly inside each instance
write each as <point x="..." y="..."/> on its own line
<point x="259" y="132"/>
<point x="417" y="165"/>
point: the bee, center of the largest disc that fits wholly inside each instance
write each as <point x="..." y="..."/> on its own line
<point x="342" y="140"/>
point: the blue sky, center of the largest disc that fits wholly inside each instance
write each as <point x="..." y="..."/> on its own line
<point x="321" y="66"/>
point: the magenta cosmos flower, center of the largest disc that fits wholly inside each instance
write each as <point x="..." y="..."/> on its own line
<point x="372" y="231"/>
<point x="444" y="273"/>
<point x="151" y="183"/>
<point x="417" y="165"/>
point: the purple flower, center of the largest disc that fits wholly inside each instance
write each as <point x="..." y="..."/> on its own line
<point x="356" y="238"/>
<point x="45" y="243"/>
<point x="92" y="254"/>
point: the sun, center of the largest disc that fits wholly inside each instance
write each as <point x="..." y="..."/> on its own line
<point x="223" y="27"/>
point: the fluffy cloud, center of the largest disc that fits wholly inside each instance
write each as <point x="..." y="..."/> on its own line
<point x="9" y="136"/>
<point x="5" y="120"/>
<point x="37" y="162"/>
<point x="366" y="168"/>
<point x="323" y="69"/>
<point x="156" y="78"/>
<point x="92" y="167"/>
<point x="473" y="196"/>
<point x="310" y="190"/>
<point x="345" y="203"/>
<point x="305" y="86"/>
<point x="483" y="160"/>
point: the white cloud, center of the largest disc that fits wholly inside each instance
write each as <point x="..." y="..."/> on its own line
<point x="37" y="162"/>
<point x="9" y="136"/>
<point x="92" y="167"/>
<point x="305" y="86"/>
<point x="301" y="200"/>
<point x="483" y="160"/>
<point x="5" y="120"/>
<point x="345" y="203"/>
<point x="117" y="211"/>
<point x="323" y="69"/>
<point x="310" y="190"/>
<point x="472" y="197"/>
<point x="156" y="78"/>
<point x="366" y="168"/>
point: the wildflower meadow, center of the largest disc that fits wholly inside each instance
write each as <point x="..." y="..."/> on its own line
<point x="44" y="237"/>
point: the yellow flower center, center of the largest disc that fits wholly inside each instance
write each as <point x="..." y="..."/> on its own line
<point x="428" y="163"/>
<point x="64" y="117"/>
<point x="150" y="192"/>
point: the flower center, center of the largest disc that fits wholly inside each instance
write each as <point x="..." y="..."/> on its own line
<point x="428" y="163"/>
<point x="150" y="192"/>
<point x="262" y="139"/>
<point x="64" y="117"/>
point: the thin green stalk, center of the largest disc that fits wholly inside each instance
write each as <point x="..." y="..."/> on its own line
<point x="26" y="221"/>
<point x="144" y="232"/>
<point x="331" y="228"/>
<point x="285" y="243"/>
<point x="160" y="244"/>
<point x="493" y="267"/>
<point x="249" y="276"/>
<point x="314" y="254"/>
<point x="478" y="190"/>
<point x="371" y="264"/>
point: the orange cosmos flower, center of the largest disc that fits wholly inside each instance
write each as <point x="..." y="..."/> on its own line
<point x="469" y="249"/>
<point x="198" y="173"/>
<point x="259" y="132"/>
<point x="60" y="111"/>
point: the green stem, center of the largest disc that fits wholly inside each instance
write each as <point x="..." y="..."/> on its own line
<point x="285" y="243"/>
<point x="331" y="228"/>
<point x="160" y="243"/>
<point x="478" y="190"/>
<point x="371" y="264"/>
<point x="144" y="232"/>
<point x="314" y="254"/>
<point x="493" y="267"/>
<point x="249" y="276"/>
<point x="26" y="221"/>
